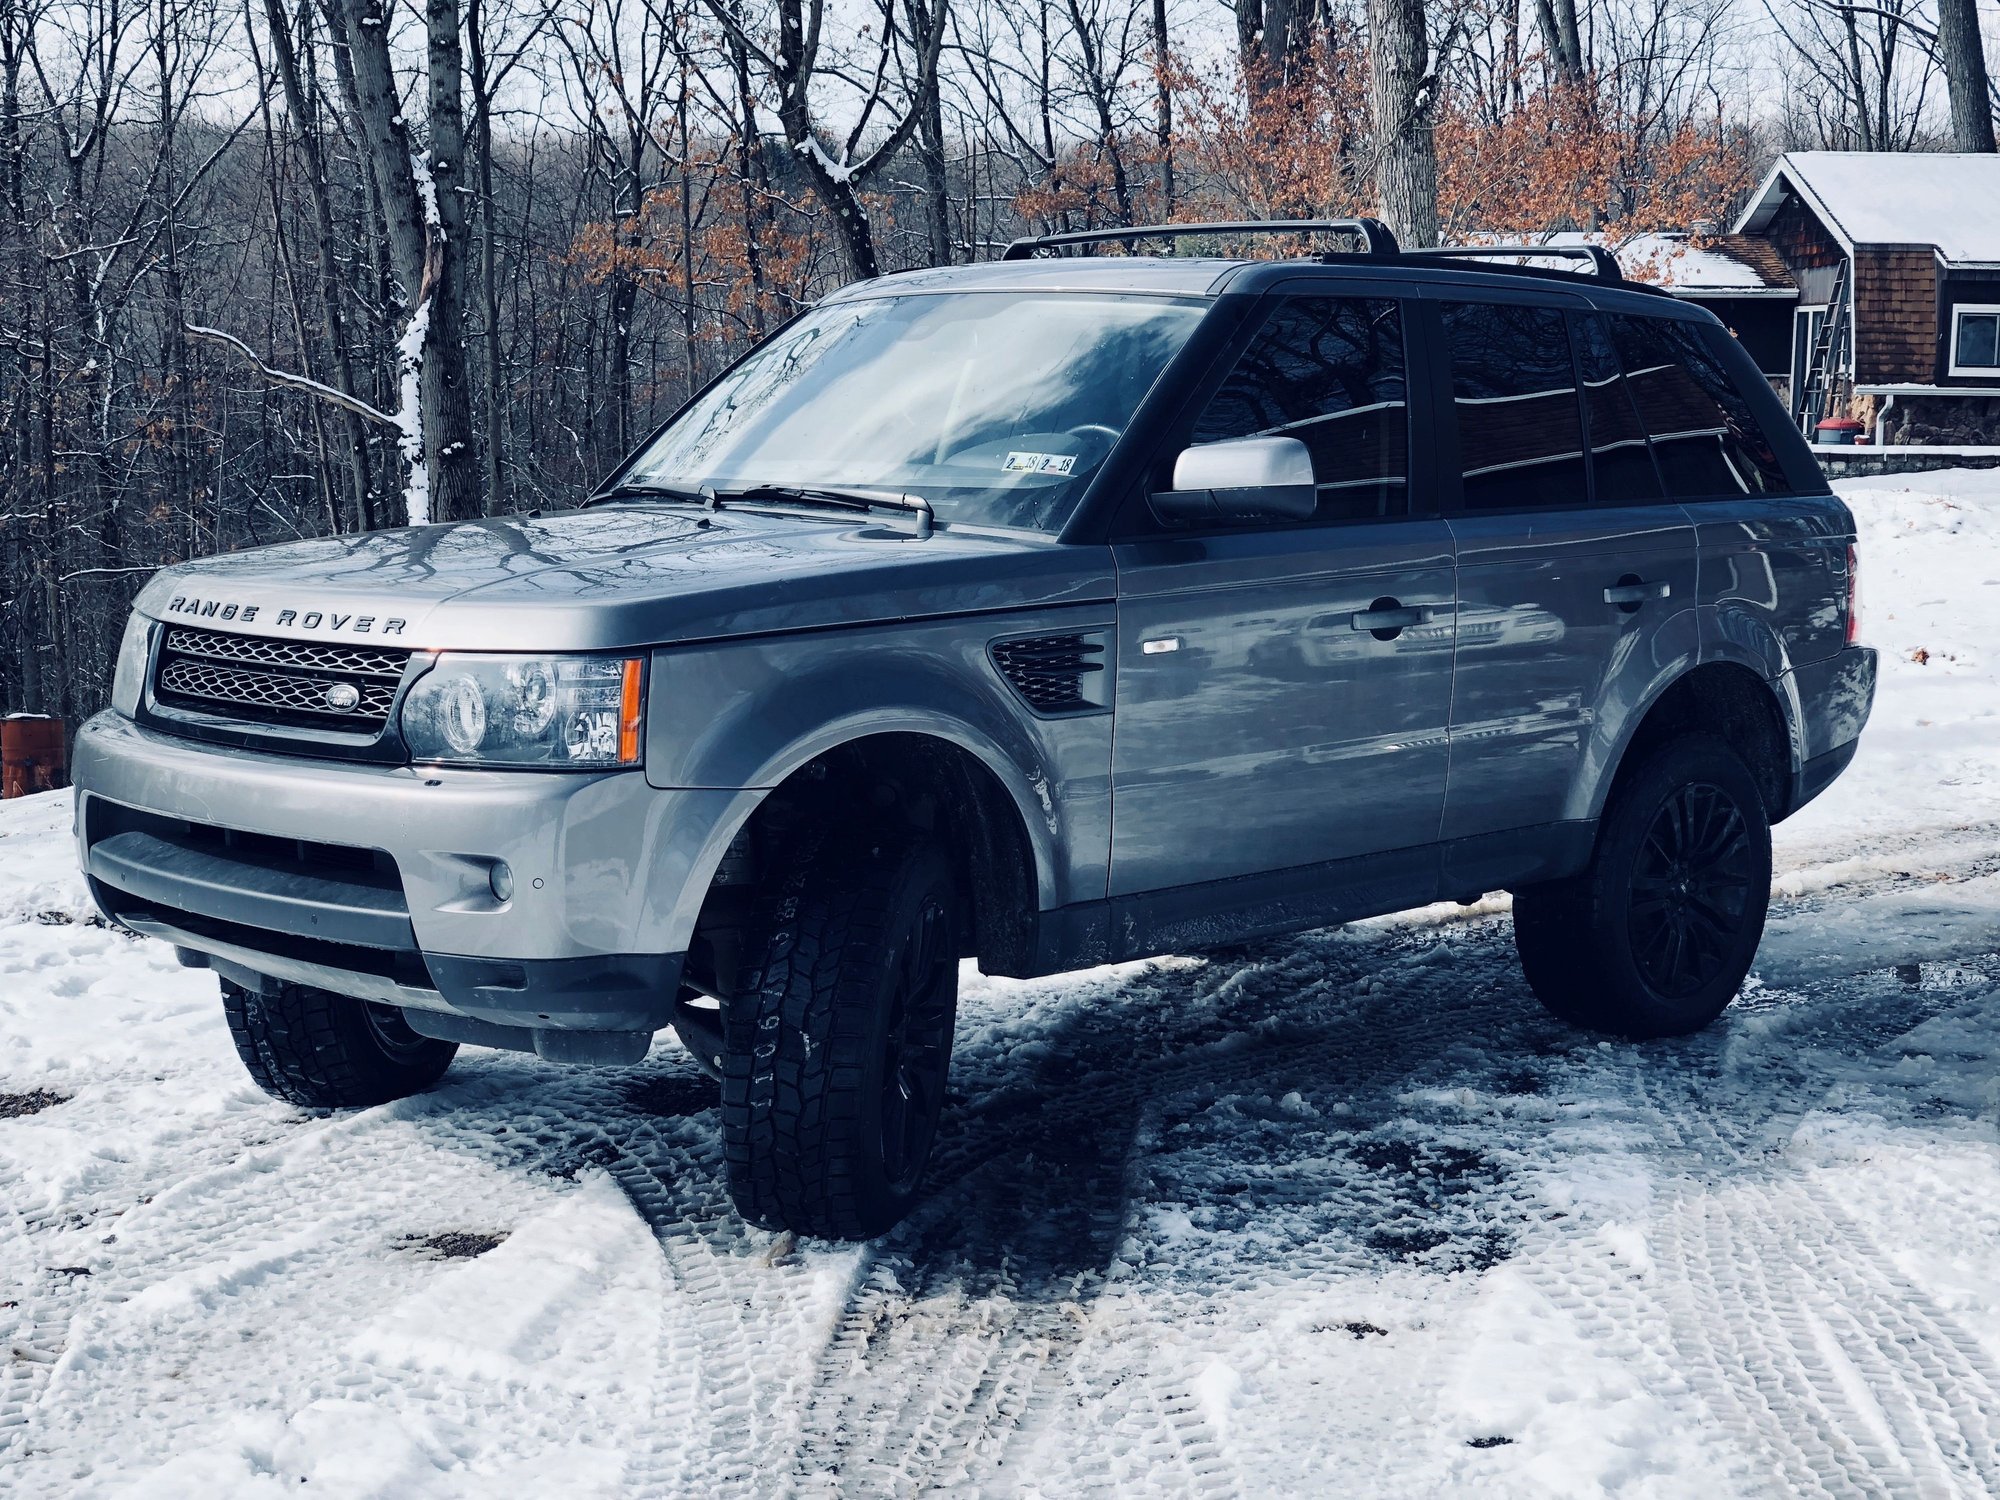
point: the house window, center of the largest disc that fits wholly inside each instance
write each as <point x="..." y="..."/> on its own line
<point x="1975" y="339"/>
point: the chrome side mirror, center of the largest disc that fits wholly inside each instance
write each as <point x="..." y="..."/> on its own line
<point x="1241" y="479"/>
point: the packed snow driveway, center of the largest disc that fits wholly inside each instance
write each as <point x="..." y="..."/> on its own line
<point x="1346" y="1214"/>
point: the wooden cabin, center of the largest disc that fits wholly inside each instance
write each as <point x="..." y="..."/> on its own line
<point x="1888" y="264"/>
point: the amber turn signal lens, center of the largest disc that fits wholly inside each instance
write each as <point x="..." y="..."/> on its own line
<point x="629" y="705"/>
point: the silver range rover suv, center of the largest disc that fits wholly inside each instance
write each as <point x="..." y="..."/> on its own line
<point x="1051" y="612"/>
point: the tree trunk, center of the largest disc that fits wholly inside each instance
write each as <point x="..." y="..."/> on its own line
<point x="426" y="240"/>
<point x="1278" y="23"/>
<point x="1859" y="77"/>
<point x="1163" y="108"/>
<point x="1964" y="57"/>
<point x="1562" y="37"/>
<point x="753" y="180"/>
<point x="833" y="187"/>
<point x="489" y="278"/>
<point x="447" y="390"/>
<point x="931" y="150"/>
<point x="1249" y="27"/>
<point x="305" y="125"/>
<point x="1401" y="90"/>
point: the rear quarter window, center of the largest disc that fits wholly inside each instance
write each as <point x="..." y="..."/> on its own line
<point x="1706" y="436"/>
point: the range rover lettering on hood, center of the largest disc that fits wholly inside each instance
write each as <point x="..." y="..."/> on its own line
<point x="286" y="618"/>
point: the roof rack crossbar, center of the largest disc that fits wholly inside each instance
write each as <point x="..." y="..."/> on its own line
<point x="1603" y="264"/>
<point x="1371" y="232"/>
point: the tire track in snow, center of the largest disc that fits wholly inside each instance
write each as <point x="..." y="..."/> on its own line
<point x="34" y="1325"/>
<point x="1794" y="1330"/>
<point x="993" y="1280"/>
<point x="948" y="1354"/>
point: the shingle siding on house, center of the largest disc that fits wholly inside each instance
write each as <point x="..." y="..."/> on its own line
<point x="1807" y="248"/>
<point x="1896" y="315"/>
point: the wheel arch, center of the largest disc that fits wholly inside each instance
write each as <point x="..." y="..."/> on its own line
<point x="1000" y="831"/>
<point x="1732" y="701"/>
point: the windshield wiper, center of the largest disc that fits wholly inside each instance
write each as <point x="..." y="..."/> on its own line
<point x="841" y="498"/>
<point x="672" y="494"/>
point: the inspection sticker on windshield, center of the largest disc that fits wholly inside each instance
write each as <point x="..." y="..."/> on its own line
<point x="1040" y="463"/>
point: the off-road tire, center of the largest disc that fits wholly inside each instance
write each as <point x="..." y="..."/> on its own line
<point x="328" y="1051"/>
<point x="814" y="1038"/>
<point x="1600" y="949"/>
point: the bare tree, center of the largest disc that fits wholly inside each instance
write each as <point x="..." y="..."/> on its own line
<point x="336" y="363"/>
<point x="1963" y="56"/>
<point x="425" y="219"/>
<point x="1403" y="91"/>
<point x="1562" y="37"/>
<point x="800" y="65"/>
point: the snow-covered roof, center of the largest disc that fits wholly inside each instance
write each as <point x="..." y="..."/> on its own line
<point x="1720" y="265"/>
<point x="1947" y="199"/>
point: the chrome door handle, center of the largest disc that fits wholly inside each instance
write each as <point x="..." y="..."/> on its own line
<point x="1632" y="595"/>
<point x="1386" y="617"/>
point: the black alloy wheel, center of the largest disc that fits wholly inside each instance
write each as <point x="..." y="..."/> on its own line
<point x="1690" y="895"/>
<point x="1655" y="935"/>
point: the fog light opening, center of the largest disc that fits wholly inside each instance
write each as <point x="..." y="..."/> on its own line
<point x="501" y="879"/>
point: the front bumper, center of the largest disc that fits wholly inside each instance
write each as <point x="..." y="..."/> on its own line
<point x="376" y="881"/>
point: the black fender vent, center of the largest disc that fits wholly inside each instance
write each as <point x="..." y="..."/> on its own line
<point x="1056" y="674"/>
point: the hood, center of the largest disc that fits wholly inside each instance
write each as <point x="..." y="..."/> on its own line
<point x="618" y="576"/>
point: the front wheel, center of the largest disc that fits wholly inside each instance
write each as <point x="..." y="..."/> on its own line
<point x="328" y="1051"/>
<point x="835" y="1055"/>
<point x="1654" y="938"/>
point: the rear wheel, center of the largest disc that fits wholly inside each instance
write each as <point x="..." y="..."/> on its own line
<point x="329" y="1051"/>
<point x="836" y="1050"/>
<point x="1655" y="936"/>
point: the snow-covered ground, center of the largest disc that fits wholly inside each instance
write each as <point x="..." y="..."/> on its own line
<point x="1346" y="1215"/>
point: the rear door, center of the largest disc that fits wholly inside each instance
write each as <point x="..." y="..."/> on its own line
<point x="1773" y="539"/>
<point x="1283" y="687"/>
<point x="1576" y="577"/>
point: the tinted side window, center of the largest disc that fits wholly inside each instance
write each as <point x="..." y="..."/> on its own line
<point x="1520" y="440"/>
<point x="1707" y="440"/>
<point x="1618" y="454"/>
<point x="1329" y="372"/>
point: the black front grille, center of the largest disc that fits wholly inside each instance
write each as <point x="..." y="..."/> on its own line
<point x="1057" y="674"/>
<point x="280" y="682"/>
<point x="306" y="656"/>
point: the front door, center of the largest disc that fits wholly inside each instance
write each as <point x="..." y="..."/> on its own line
<point x="1576" y="580"/>
<point x="1283" y="688"/>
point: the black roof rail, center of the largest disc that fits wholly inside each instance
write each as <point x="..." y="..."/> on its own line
<point x="1372" y="232"/>
<point x="1603" y="264"/>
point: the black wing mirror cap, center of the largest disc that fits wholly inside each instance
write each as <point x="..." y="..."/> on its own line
<point x="1240" y="479"/>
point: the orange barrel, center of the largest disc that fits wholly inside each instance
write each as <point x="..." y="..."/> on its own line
<point x="32" y="757"/>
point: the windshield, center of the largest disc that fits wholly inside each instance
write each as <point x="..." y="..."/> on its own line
<point x="995" y="407"/>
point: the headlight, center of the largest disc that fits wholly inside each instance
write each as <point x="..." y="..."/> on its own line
<point x="129" y="681"/>
<point x="561" y="712"/>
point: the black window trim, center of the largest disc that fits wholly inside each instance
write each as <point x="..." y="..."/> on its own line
<point x="1134" y="521"/>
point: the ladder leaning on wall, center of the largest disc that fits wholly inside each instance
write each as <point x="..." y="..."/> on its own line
<point x="1828" y="360"/>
